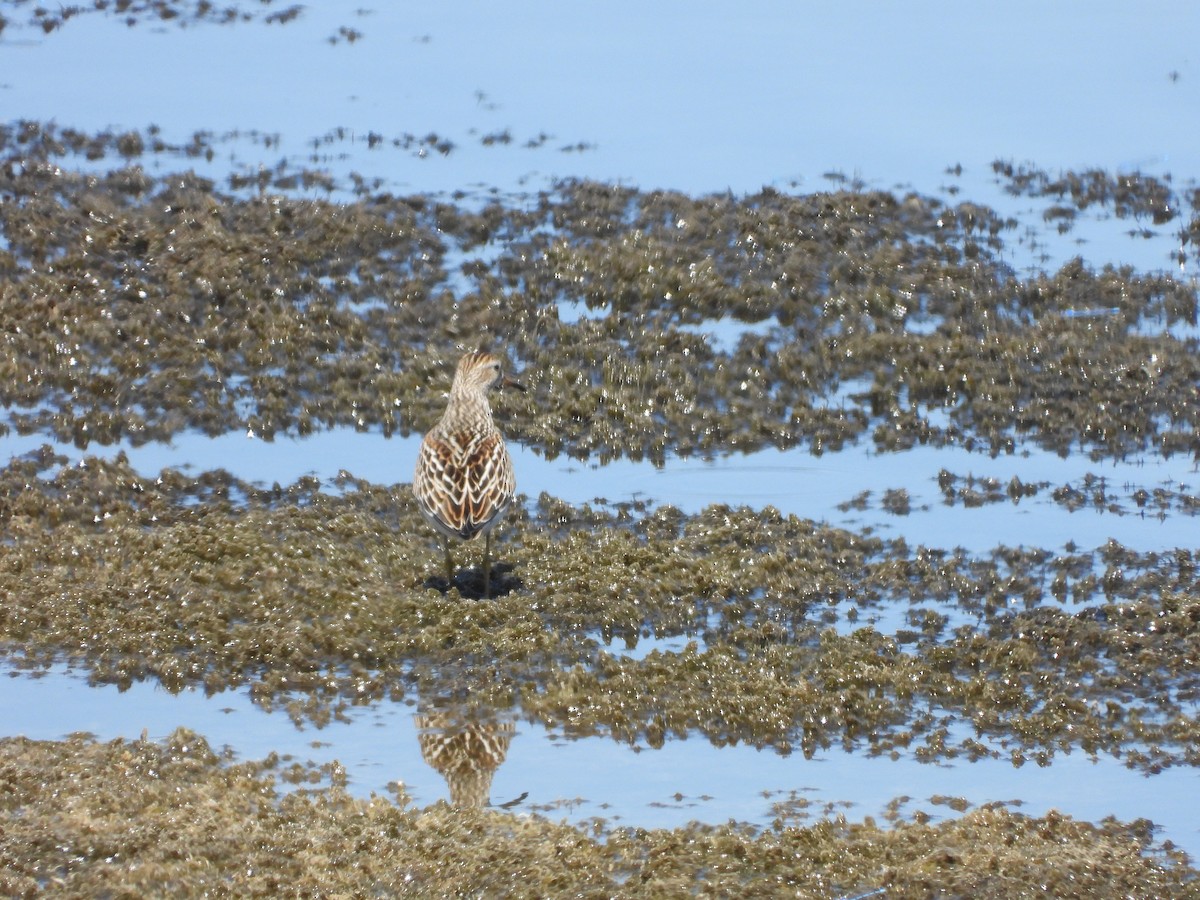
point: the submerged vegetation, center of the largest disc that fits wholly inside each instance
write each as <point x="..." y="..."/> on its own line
<point x="137" y="306"/>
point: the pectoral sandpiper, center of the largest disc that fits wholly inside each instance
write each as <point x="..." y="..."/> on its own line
<point x="464" y="479"/>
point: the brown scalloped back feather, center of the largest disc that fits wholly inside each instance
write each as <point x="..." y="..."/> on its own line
<point x="464" y="478"/>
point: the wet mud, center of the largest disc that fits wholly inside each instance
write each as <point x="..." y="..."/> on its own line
<point x="135" y="306"/>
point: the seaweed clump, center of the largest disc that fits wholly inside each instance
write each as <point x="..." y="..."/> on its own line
<point x="84" y="818"/>
<point x="135" y="12"/>
<point x="168" y="302"/>
<point x="317" y="600"/>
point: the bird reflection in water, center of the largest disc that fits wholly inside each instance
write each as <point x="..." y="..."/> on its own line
<point x="466" y="752"/>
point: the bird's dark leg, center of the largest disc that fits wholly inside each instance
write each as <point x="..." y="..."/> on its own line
<point x="449" y="566"/>
<point x="487" y="564"/>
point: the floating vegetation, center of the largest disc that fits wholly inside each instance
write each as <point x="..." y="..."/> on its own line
<point x="1133" y="195"/>
<point x="85" y="818"/>
<point x="138" y="303"/>
<point x="897" y="502"/>
<point x="971" y="491"/>
<point x="138" y="12"/>
<point x="165" y="302"/>
<point x="317" y="601"/>
<point x="1092" y="491"/>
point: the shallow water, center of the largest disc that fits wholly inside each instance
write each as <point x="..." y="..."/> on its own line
<point x="793" y="481"/>
<point x="597" y="777"/>
<point x="763" y="114"/>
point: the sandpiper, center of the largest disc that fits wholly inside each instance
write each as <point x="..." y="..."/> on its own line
<point x="464" y="479"/>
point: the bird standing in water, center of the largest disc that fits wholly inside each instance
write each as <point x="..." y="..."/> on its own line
<point x="464" y="480"/>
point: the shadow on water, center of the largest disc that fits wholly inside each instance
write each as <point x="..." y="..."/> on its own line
<point x="469" y="582"/>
